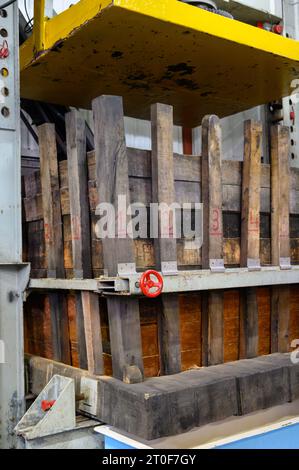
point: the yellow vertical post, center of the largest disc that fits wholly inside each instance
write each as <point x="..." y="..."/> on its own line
<point x="39" y="25"/>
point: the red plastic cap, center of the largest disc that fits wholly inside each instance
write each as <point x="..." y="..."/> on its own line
<point x="278" y="29"/>
<point x="292" y="115"/>
<point x="46" y="405"/>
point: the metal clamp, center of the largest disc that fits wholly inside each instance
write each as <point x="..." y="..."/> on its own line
<point x="254" y="264"/>
<point x="217" y="266"/>
<point x="285" y="264"/>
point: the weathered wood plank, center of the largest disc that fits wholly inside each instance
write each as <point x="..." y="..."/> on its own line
<point x="93" y="337"/>
<point x="79" y="212"/>
<point x="165" y="245"/>
<point x="112" y="182"/>
<point x="280" y="231"/>
<point x="250" y="235"/>
<point x="251" y="190"/>
<point x="51" y="200"/>
<point x="53" y="238"/>
<point x="248" y="323"/>
<point x="280" y="195"/>
<point x="78" y="194"/>
<point x="212" y="249"/>
<point x="187" y="175"/>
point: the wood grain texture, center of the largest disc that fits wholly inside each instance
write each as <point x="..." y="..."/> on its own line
<point x="280" y="234"/>
<point x="112" y="182"/>
<point x="165" y="245"/>
<point x="250" y="234"/>
<point x="251" y="193"/>
<point x="53" y="239"/>
<point x="93" y="336"/>
<point x="78" y="194"/>
<point x="280" y="193"/>
<point x="212" y="249"/>
<point x="51" y="200"/>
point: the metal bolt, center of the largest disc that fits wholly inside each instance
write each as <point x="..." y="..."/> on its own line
<point x="13" y="295"/>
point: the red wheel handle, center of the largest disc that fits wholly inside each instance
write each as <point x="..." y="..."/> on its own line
<point x="151" y="284"/>
<point x="46" y="405"/>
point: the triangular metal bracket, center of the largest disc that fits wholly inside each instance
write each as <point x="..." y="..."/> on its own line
<point x="61" y="416"/>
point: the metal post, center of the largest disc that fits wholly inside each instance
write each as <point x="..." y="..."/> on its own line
<point x="39" y="25"/>
<point x="13" y="274"/>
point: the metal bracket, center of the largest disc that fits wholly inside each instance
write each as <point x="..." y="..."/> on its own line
<point x="217" y="265"/>
<point x="89" y="389"/>
<point x="169" y="268"/>
<point x="254" y="264"/>
<point x="61" y="416"/>
<point x="109" y="286"/>
<point x="285" y="264"/>
<point x="125" y="269"/>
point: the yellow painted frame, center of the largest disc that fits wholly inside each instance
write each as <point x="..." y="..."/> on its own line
<point x="227" y="51"/>
<point x="47" y="33"/>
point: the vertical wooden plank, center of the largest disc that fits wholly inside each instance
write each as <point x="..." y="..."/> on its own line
<point x="92" y="323"/>
<point x="80" y="331"/>
<point x="165" y="247"/>
<point x="280" y="196"/>
<point x="53" y="238"/>
<point x="113" y="181"/>
<point x="250" y="235"/>
<point x="51" y="201"/>
<point x="280" y="233"/>
<point x="280" y="319"/>
<point x="212" y="249"/>
<point x="79" y="212"/>
<point x="251" y="195"/>
<point x="78" y="194"/>
<point x="248" y="323"/>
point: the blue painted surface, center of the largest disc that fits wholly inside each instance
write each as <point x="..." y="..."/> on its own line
<point x="114" y="444"/>
<point x="283" y="438"/>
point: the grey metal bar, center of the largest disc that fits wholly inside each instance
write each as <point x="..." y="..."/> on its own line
<point x="183" y="281"/>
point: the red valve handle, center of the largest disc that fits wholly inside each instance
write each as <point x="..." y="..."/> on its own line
<point x="46" y="405"/>
<point x="147" y="284"/>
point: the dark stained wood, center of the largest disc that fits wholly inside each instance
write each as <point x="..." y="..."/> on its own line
<point x="78" y="194"/>
<point x="165" y="247"/>
<point x="112" y="174"/>
<point x="53" y="239"/>
<point x="212" y="249"/>
<point x="75" y="177"/>
<point x="51" y="200"/>
<point x="248" y="323"/>
<point x="280" y="319"/>
<point x="187" y="172"/>
<point x="79" y="215"/>
<point x="250" y="235"/>
<point x="113" y="181"/>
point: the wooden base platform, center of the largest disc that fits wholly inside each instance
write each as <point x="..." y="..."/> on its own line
<point x="199" y="62"/>
<point x="171" y="405"/>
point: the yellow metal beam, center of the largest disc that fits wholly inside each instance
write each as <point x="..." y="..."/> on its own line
<point x="153" y="50"/>
<point x="39" y="25"/>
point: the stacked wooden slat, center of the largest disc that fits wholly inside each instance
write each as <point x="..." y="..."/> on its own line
<point x="171" y="333"/>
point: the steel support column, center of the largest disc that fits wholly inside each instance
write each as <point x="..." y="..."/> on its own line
<point x="13" y="274"/>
